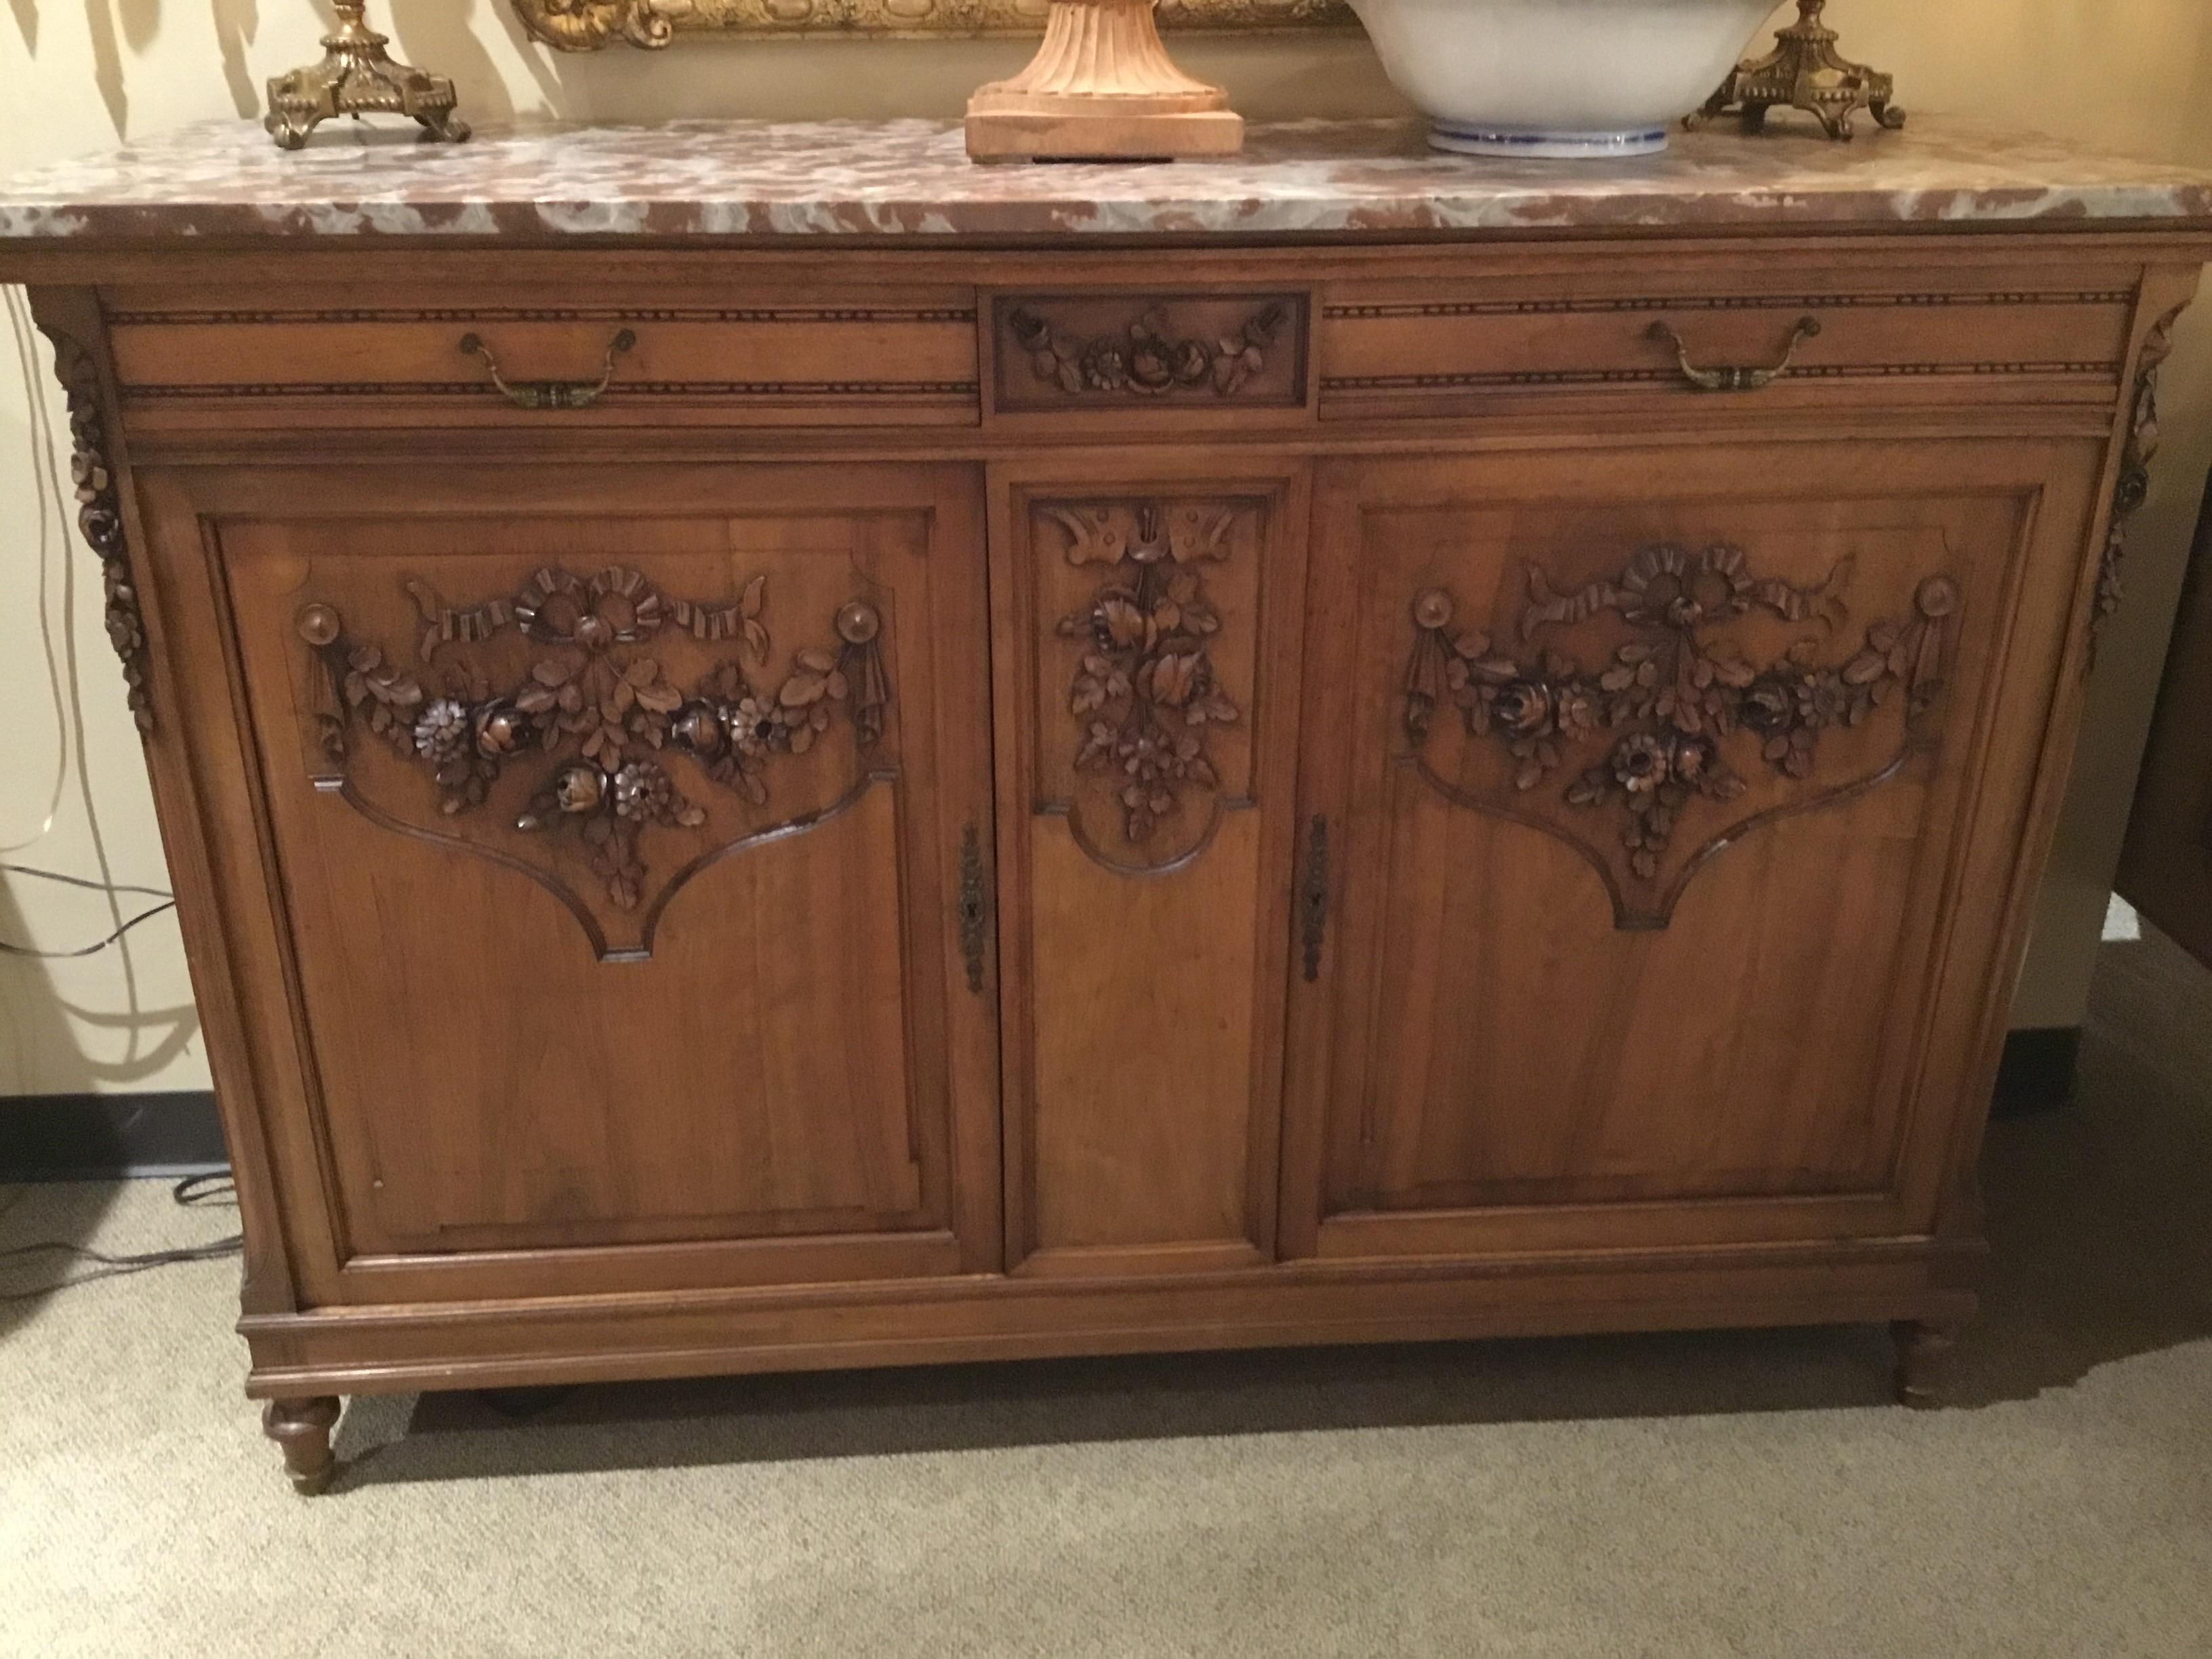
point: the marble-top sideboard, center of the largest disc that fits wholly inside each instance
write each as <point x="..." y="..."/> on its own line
<point x="912" y="177"/>
<point x="779" y="751"/>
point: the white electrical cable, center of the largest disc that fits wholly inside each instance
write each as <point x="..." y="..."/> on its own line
<point x="45" y="461"/>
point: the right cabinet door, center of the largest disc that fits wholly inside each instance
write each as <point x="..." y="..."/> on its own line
<point x="1668" y="818"/>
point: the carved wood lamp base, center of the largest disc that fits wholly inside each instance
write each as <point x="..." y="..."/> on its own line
<point x="1102" y="87"/>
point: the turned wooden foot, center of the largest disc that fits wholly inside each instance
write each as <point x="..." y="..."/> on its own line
<point x="302" y="1428"/>
<point x="1923" y="1361"/>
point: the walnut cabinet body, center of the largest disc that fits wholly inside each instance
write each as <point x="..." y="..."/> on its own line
<point x="791" y="809"/>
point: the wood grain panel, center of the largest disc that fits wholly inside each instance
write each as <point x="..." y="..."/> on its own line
<point x="1533" y="999"/>
<point x="1388" y="350"/>
<point x="803" y="356"/>
<point x="1145" y="721"/>
<point x="749" y="1036"/>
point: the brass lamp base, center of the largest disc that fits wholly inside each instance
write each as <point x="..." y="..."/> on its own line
<point x="1805" y="72"/>
<point x="1101" y="87"/>
<point x="357" y="76"/>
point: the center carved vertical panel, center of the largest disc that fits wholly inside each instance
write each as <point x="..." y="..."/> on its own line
<point x="1155" y="604"/>
<point x="1161" y="632"/>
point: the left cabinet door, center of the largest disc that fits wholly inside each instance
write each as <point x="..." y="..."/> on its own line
<point x="608" y="857"/>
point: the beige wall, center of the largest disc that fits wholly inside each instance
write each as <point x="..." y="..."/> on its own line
<point x="76" y="74"/>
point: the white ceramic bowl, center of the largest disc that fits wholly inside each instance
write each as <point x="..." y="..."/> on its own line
<point x="1558" y="77"/>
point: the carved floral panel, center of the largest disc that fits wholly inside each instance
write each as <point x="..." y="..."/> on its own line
<point x="1154" y="604"/>
<point x="613" y="745"/>
<point x="1633" y="717"/>
<point x="1132" y="352"/>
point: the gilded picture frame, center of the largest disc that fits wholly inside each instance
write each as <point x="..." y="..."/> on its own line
<point x="590" y="25"/>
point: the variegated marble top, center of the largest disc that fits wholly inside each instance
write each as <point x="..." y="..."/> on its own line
<point x="912" y="177"/>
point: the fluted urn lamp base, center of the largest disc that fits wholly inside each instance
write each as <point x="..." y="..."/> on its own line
<point x="1102" y="87"/>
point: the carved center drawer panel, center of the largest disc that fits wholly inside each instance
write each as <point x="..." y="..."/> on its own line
<point x="1132" y="356"/>
<point x="1803" y="338"/>
<point x="311" y="356"/>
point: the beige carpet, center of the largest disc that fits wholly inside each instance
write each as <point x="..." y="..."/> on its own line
<point x="1691" y="1495"/>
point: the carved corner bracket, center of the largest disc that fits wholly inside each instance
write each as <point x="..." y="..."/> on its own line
<point x="2138" y="450"/>
<point x="1667" y="717"/>
<point x="99" y="517"/>
<point x="1144" y="691"/>
<point x="599" y="714"/>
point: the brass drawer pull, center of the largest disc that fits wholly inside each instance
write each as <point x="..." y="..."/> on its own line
<point x="1736" y="379"/>
<point x="551" y="394"/>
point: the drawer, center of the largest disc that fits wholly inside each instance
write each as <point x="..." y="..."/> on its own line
<point x="315" y="357"/>
<point x="1441" y="349"/>
<point x="1118" y="357"/>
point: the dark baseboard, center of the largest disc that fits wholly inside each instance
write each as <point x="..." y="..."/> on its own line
<point x="100" y="1136"/>
<point x="2037" y="1073"/>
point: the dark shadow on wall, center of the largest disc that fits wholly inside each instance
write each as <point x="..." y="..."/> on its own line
<point x="236" y="24"/>
<point x="108" y="62"/>
<point x="48" y="1026"/>
<point x="118" y="27"/>
<point x="33" y="1025"/>
<point x="441" y="36"/>
<point x="52" y="1029"/>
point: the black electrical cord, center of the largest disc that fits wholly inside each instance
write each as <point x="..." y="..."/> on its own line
<point x="192" y="1192"/>
<point x="169" y="903"/>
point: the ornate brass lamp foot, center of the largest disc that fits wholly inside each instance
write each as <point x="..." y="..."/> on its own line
<point x="1805" y="72"/>
<point x="357" y="76"/>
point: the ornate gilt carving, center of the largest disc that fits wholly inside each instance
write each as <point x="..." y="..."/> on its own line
<point x="2138" y="450"/>
<point x="1144" y="689"/>
<point x="1805" y="71"/>
<point x="99" y="516"/>
<point x="1149" y="359"/>
<point x="358" y="76"/>
<point x="1661" y="722"/>
<point x="590" y="25"/>
<point x="600" y="713"/>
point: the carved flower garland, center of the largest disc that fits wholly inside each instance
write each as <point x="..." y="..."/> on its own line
<point x="1150" y="359"/>
<point x="100" y="518"/>
<point x="1674" y="695"/>
<point x="591" y="700"/>
<point x="1144" y="684"/>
